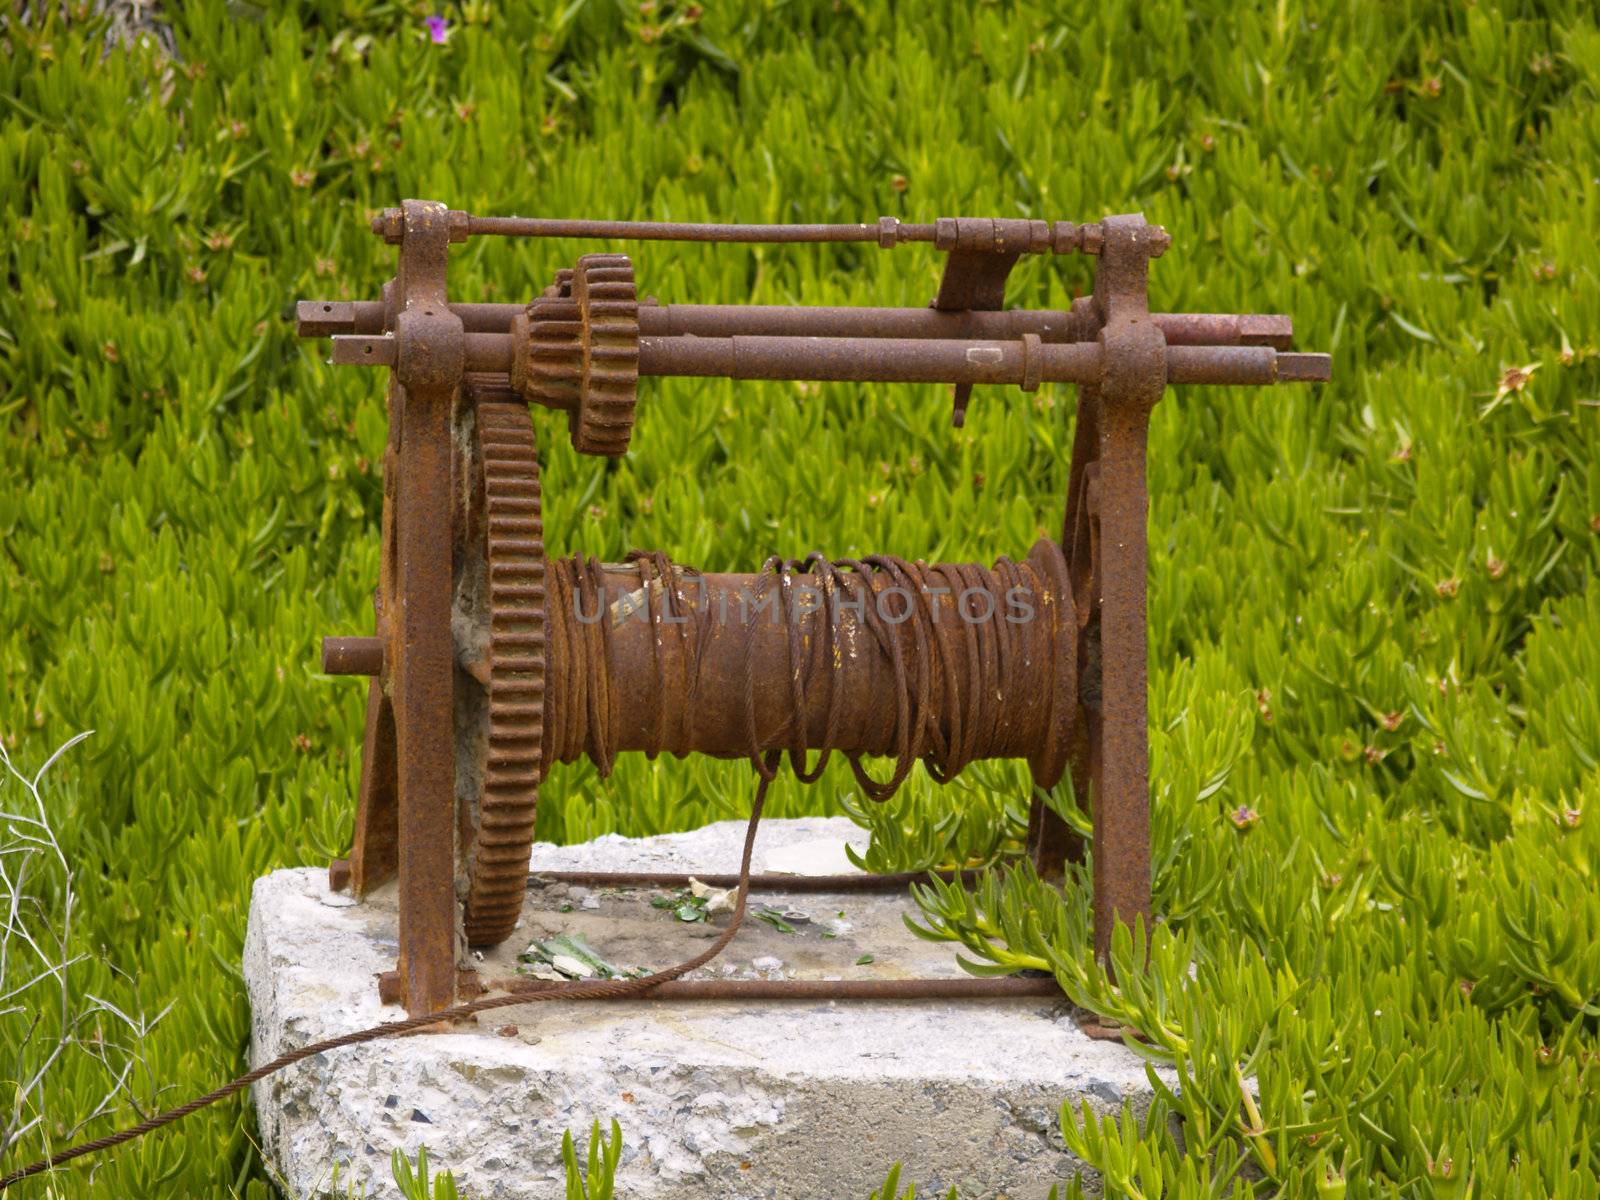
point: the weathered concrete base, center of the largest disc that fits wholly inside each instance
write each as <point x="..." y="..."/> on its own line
<point x="791" y="1100"/>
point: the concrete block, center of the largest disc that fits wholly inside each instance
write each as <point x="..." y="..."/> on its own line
<point x="726" y="1099"/>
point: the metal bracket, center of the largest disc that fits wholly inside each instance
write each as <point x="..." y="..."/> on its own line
<point x="1134" y="377"/>
<point x="974" y="280"/>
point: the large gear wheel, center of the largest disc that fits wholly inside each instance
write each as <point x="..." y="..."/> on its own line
<point x="501" y="605"/>
<point x="578" y="350"/>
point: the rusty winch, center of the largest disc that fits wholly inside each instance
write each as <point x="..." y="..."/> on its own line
<point x="492" y="661"/>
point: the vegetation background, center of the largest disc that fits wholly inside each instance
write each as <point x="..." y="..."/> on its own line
<point x="1375" y="650"/>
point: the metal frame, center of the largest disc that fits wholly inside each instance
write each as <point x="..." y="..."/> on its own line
<point x="1118" y="354"/>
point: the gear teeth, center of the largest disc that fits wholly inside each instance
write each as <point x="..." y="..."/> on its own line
<point x="561" y="285"/>
<point x="513" y="756"/>
<point x="550" y="366"/>
<point x="578" y="350"/>
<point x="603" y="286"/>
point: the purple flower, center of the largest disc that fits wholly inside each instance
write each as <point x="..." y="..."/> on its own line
<point x="438" y="29"/>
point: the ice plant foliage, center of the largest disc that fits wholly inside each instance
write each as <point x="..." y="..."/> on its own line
<point x="1375" y="637"/>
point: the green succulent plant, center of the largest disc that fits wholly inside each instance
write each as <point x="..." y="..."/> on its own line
<point x="1375" y="639"/>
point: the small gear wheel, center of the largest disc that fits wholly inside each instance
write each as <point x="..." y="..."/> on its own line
<point x="501" y="629"/>
<point x="548" y="366"/>
<point x="608" y="304"/>
<point x="578" y="350"/>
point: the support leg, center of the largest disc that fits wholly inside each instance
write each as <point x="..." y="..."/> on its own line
<point x="424" y="713"/>
<point x="1117" y="509"/>
<point x="421" y="646"/>
<point x="374" y="854"/>
<point x="1118" y="743"/>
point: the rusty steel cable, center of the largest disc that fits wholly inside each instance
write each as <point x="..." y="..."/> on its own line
<point x="958" y="687"/>
<point x="926" y="688"/>
<point x="578" y="655"/>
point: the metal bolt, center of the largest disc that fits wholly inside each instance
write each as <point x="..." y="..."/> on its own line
<point x="338" y="874"/>
<point x="352" y="656"/>
<point x="390" y="988"/>
<point x="390" y="225"/>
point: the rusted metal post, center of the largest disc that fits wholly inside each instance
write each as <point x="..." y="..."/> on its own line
<point x="1119" y="755"/>
<point x="430" y="346"/>
<point x="1118" y="502"/>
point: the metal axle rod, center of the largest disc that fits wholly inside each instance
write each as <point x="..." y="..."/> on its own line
<point x="692" y="231"/>
<point x="323" y="318"/>
<point x="1027" y="361"/>
<point x="1002" y="235"/>
<point x="1009" y="987"/>
<point x="859" y="882"/>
